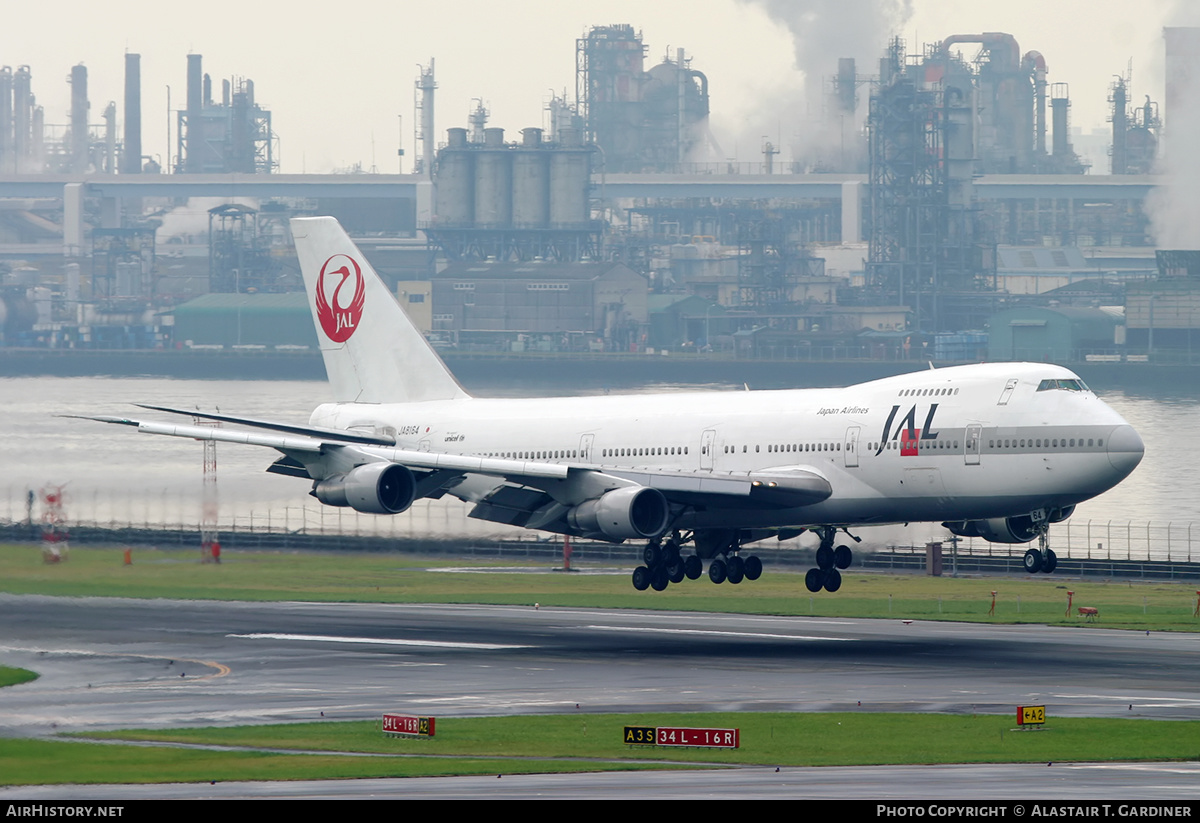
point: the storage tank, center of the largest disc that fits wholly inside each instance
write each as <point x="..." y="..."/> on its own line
<point x="531" y="183"/>
<point x="454" y="186"/>
<point x="493" y="182"/>
<point x="569" y="179"/>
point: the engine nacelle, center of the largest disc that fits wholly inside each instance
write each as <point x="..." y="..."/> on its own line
<point x="623" y="514"/>
<point x="1059" y="515"/>
<point x="375" y="488"/>
<point x="997" y="529"/>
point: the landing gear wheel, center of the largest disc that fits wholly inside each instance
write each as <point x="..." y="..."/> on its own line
<point x="716" y="571"/>
<point x="1033" y="561"/>
<point x="693" y="567"/>
<point x="813" y="580"/>
<point x="735" y="569"/>
<point x="641" y="578"/>
<point x="825" y="558"/>
<point x="670" y="552"/>
<point x="833" y="580"/>
<point x="675" y="571"/>
<point x="843" y="557"/>
<point x="753" y="567"/>
<point x="1051" y="562"/>
<point x="652" y="555"/>
<point x="659" y="579"/>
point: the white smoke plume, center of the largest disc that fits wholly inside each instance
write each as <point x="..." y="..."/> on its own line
<point x="823" y="31"/>
<point x="1174" y="206"/>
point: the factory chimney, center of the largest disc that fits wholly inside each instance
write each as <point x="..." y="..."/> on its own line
<point x="193" y="158"/>
<point x="425" y="125"/>
<point x="131" y="160"/>
<point x="79" y="119"/>
<point x="7" y="158"/>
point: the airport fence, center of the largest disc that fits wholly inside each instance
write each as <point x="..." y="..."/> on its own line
<point x="158" y="517"/>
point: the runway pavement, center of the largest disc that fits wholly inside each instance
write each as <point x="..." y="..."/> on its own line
<point x="112" y="663"/>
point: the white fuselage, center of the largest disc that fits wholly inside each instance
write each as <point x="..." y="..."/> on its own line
<point x="961" y="443"/>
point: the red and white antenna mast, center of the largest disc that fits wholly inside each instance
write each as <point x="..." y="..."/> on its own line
<point x="210" y="546"/>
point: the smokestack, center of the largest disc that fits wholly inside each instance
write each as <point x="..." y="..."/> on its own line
<point x="193" y="160"/>
<point x="131" y="160"/>
<point x="1120" y="127"/>
<point x="847" y="76"/>
<point x="1060" y="106"/>
<point x="110" y="138"/>
<point x="7" y="160"/>
<point x="425" y="99"/>
<point x="22" y="118"/>
<point x="79" y="119"/>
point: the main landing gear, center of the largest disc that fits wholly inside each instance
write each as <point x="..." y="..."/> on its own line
<point x="829" y="560"/>
<point x="664" y="564"/>
<point x="1043" y="558"/>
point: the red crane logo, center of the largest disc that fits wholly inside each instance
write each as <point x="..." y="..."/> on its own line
<point x="339" y="316"/>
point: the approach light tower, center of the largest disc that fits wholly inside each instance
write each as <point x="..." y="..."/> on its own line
<point x="210" y="546"/>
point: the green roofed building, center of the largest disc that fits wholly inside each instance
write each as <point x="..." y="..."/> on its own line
<point x="1058" y="335"/>
<point x="246" y="320"/>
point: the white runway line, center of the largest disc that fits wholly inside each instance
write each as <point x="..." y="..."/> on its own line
<point x="381" y="641"/>
<point x="712" y="633"/>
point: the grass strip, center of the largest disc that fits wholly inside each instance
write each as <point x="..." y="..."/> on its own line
<point x="784" y="739"/>
<point x="12" y="676"/>
<point x="39" y="762"/>
<point x="400" y="578"/>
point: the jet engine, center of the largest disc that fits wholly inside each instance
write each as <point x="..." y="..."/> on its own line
<point x="997" y="529"/>
<point x="622" y="514"/>
<point x="375" y="488"/>
<point x="1059" y="515"/>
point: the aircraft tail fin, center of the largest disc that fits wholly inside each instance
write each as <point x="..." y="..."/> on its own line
<point x="373" y="352"/>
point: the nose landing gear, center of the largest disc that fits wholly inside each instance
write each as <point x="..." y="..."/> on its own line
<point x="1043" y="558"/>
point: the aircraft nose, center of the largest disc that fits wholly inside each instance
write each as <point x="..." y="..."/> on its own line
<point x="1125" y="449"/>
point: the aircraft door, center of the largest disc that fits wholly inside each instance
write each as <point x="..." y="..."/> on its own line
<point x="708" y="442"/>
<point x="973" y="444"/>
<point x="585" y="446"/>
<point x="1007" y="393"/>
<point x="851" y="448"/>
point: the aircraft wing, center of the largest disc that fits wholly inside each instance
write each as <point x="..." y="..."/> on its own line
<point x="314" y="443"/>
<point x="527" y="493"/>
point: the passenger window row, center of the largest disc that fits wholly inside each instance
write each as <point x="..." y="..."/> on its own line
<point x="1044" y="442"/>
<point x="921" y="445"/>
<point x="649" y="451"/>
<point x="940" y="392"/>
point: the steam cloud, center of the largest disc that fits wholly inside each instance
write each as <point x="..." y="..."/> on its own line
<point x="823" y="31"/>
<point x="1174" y="206"/>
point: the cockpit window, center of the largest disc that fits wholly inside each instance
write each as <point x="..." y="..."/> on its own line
<point x="1064" y="385"/>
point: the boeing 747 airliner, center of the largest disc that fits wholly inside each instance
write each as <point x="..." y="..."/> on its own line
<point x="998" y="450"/>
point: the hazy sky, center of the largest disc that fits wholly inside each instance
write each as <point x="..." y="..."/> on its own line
<point x="338" y="75"/>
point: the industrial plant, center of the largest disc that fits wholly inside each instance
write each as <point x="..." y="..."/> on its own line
<point x="936" y="207"/>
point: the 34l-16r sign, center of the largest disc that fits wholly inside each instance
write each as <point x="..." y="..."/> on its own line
<point x="408" y="724"/>
<point x="674" y="736"/>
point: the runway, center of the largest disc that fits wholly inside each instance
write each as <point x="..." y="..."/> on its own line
<point x="112" y="663"/>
